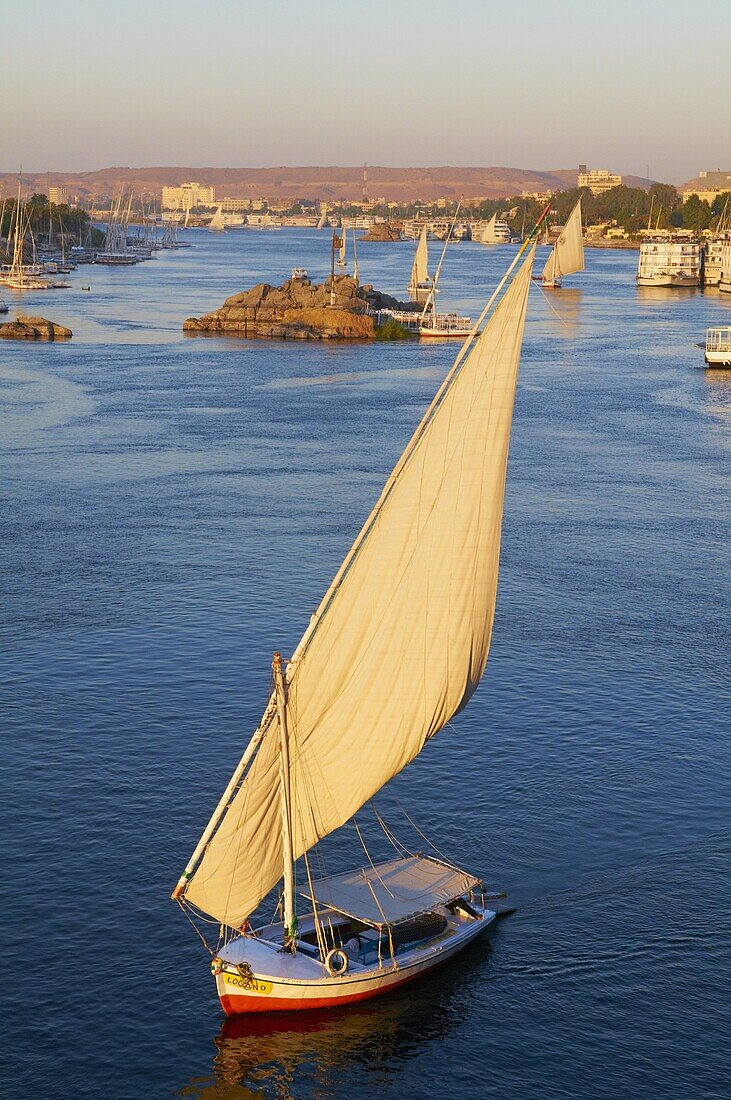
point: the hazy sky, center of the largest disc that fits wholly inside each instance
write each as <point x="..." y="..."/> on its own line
<point x="526" y="83"/>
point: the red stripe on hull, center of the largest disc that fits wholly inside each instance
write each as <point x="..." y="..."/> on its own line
<point x="235" y="1005"/>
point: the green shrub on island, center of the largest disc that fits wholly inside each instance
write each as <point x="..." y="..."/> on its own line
<point x="392" y="330"/>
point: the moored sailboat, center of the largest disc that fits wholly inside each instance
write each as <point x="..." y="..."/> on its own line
<point x="567" y="255"/>
<point x="396" y="648"/>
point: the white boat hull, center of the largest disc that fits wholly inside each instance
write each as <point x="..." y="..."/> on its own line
<point x="674" y="279"/>
<point x="292" y="983"/>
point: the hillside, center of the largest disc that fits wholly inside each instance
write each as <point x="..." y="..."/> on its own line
<point x="331" y="183"/>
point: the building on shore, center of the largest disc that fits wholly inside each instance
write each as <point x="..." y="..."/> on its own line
<point x="598" y="180"/>
<point x="58" y="196"/>
<point x="188" y="196"/>
<point x="539" y="196"/>
<point x="233" y="205"/>
<point x="707" y="186"/>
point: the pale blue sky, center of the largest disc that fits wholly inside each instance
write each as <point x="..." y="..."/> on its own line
<point x="526" y="83"/>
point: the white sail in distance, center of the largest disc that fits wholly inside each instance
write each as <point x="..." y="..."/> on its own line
<point x="420" y="266"/>
<point x="218" y="221"/>
<point x="343" y="245"/>
<point x="488" y="234"/>
<point x="323" y="218"/>
<point x="399" y="645"/>
<point x="567" y="255"/>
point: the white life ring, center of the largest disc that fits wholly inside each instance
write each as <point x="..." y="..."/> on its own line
<point x="336" y="953"/>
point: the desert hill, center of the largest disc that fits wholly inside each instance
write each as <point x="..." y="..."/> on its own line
<point x="329" y="183"/>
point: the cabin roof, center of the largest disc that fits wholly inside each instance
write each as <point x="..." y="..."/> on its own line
<point x="392" y="892"/>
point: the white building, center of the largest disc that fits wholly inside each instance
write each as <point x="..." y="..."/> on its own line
<point x="188" y="196"/>
<point x="57" y="195"/>
<point x="598" y="180"/>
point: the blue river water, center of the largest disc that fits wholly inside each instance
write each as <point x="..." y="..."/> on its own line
<point x="171" y="510"/>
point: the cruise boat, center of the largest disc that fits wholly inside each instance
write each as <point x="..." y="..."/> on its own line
<point x="724" y="279"/>
<point x="713" y="260"/>
<point x="670" y="260"/>
<point x="394" y="651"/>
<point x="718" y="347"/>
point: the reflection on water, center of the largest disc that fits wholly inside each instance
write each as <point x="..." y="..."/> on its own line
<point x="719" y="391"/>
<point x="665" y="293"/>
<point x="312" y="1052"/>
<point x="564" y="311"/>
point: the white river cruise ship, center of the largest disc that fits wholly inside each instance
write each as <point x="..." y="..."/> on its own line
<point x="669" y="260"/>
<point x="724" y="277"/>
<point x="713" y="265"/>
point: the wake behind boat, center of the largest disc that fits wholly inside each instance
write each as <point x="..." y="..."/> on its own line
<point x="396" y="648"/>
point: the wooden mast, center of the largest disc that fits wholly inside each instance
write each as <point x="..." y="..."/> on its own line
<point x="290" y="920"/>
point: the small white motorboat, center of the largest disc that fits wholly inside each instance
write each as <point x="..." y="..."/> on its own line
<point x="718" y="347"/>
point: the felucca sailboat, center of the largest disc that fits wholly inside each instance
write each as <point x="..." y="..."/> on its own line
<point x="396" y="648"/>
<point x="420" y="285"/>
<point x="342" y="258"/>
<point x="217" y="224"/>
<point x="567" y="255"/>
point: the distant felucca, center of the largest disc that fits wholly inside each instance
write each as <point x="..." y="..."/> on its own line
<point x="217" y="224"/>
<point x="496" y="232"/>
<point x="341" y="260"/>
<point x="396" y="648"/>
<point x="323" y="218"/>
<point x="420" y="284"/>
<point x="443" y="325"/>
<point x="567" y="255"/>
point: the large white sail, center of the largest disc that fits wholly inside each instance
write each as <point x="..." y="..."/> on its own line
<point x="323" y="218"/>
<point x="420" y="266"/>
<point x="567" y="255"/>
<point x="343" y="245"/>
<point x="399" y="645"/>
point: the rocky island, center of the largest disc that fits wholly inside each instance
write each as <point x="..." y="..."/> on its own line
<point x="33" y="328"/>
<point x="383" y="232"/>
<point x="299" y="310"/>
